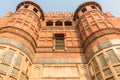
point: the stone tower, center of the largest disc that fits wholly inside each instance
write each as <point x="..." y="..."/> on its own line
<point x="100" y="41"/>
<point x="35" y="45"/>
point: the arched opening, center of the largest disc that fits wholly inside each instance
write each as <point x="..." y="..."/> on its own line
<point x="68" y="23"/>
<point x="35" y="10"/>
<point x="49" y="23"/>
<point x="93" y="7"/>
<point x="26" y="6"/>
<point x="84" y="10"/>
<point x="58" y="23"/>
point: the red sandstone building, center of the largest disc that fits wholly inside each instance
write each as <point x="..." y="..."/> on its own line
<point x="84" y="45"/>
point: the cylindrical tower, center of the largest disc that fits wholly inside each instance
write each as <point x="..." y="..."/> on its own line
<point x="100" y="41"/>
<point x="25" y="22"/>
<point x="18" y="41"/>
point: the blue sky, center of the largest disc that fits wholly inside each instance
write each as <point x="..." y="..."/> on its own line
<point x="112" y="6"/>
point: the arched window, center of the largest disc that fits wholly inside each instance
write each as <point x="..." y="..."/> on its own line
<point x="84" y="9"/>
<point x="93" y="7"/>
<point x="35" y="10"/>
<point x="68" y="23"/>
<point x="58" y="23"/>
<point x="49" y="23"/>
<point x="26" y="6"/>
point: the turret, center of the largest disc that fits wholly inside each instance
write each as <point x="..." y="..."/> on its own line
<point x="32" y="7"/>
<point x="99" y="38"/>
<point x="25" y="23"/>
<point x="18" y="38"/>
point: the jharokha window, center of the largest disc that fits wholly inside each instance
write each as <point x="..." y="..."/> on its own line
<point x="49" y="23"/>
<point x="68" y="23"/>
<point x="59" y="42"/>
<point x="58" y="23"/>
<point x="84" y="9"/>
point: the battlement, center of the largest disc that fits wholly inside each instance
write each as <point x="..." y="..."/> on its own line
<point x="58" y="14"/>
